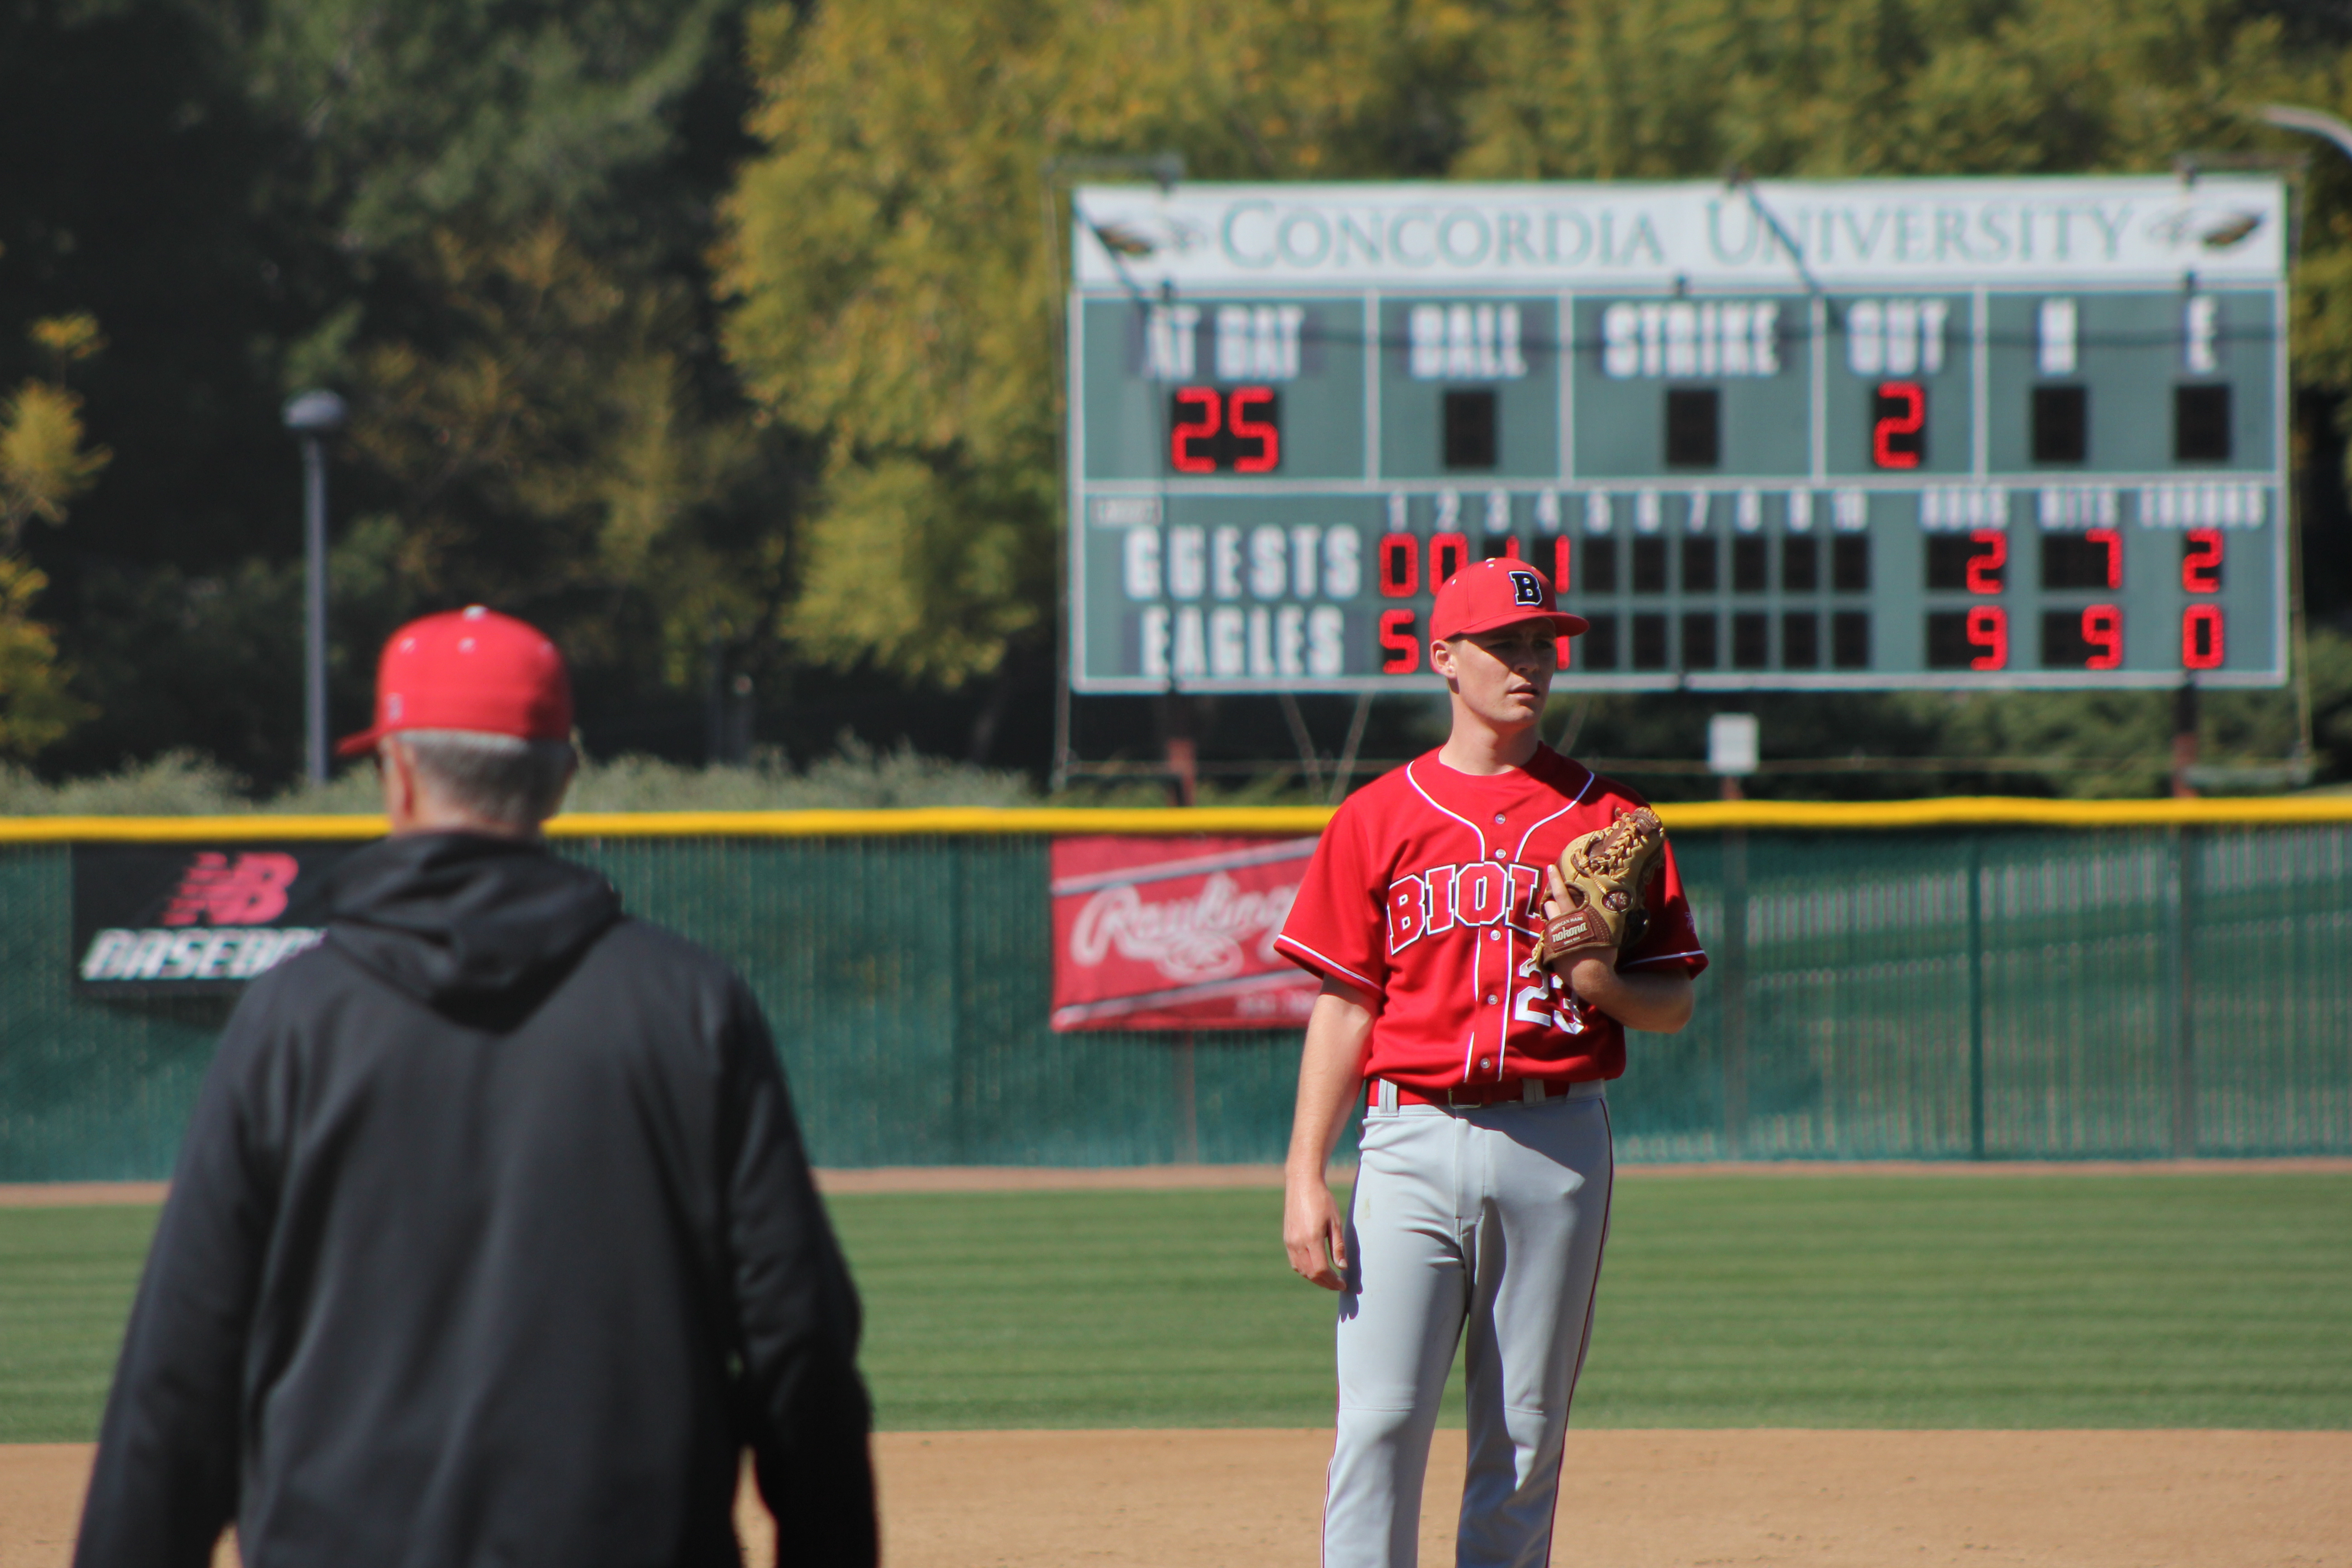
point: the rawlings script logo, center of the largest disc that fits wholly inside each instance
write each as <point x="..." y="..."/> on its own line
<point x="1205" y="937"/>
<point x="250" y="892"/>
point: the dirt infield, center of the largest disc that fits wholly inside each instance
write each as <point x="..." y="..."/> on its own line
<point x="1631" y="1499"/>
<point x="1167" y="1178"/>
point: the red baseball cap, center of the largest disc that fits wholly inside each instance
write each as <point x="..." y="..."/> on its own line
<point x="468" y="670"/>
<point x="1498" y="592"/>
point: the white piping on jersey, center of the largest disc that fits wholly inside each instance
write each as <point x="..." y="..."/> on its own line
<point x="1510" y="943"/>
<point x="1478" y="949"/>
<point x="1477" y="953"/>
<point x="1476" y="831"/>
<point x="1340" y="968"/>
<point x="1589" y="775"/>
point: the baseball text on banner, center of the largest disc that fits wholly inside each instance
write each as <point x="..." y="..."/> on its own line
<point x="184" y="918"/>
<point x="1176" y="933"/>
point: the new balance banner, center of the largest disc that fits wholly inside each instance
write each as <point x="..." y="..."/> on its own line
<point x="1176" y="933"/>
<point x="159" y="917"/>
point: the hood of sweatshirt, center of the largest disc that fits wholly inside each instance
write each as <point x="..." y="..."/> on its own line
<point x="479" y="927"/>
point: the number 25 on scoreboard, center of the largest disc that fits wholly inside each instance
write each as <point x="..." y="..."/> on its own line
<point x="1211" y="430"/>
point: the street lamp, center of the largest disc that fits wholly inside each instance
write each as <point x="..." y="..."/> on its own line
<point x="2328" y="128"/>
<point x="2310" y="121"/>
<point x="313" y="416"/>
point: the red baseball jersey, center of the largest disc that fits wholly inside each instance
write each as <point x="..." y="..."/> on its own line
<point x="1427" y="891"/>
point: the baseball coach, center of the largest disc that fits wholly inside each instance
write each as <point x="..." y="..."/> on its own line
<point x="492" y="1240"/>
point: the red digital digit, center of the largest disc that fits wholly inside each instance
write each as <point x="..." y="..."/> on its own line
<point x="1396" y="636"/>
<point x="1898" y="437"/>
<point x="2103" y="628"/>
<point x="2201" y="564"/>
<point x="1400" y="565"/>
<point x="2113" y="544"/>
<point x="1448" y="553"/>
<point x="1986" y="566"/>
<point x="1187" y="431"/>
<point x="1260" y="430"/>
<point x="1560" y="580"/>
<point x="2200" y="637"/>
<point x="1989" y="630"/>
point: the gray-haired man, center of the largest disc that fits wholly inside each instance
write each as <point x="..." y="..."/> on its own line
<point x="492" y="1239"/>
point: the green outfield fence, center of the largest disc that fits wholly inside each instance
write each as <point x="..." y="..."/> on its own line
<point x="1941" y="980"/>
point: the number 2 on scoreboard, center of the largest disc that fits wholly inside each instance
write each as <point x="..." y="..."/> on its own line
<point x="1210" y="419"/>
<point x="1899" y="431"/>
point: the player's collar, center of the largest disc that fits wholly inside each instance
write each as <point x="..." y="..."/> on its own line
<point x="1546" y="768"/>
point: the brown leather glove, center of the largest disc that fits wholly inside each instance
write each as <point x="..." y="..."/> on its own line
<point x="1598" y="891"/>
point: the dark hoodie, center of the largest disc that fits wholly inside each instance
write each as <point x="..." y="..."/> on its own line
<point x="492" y="1242"/>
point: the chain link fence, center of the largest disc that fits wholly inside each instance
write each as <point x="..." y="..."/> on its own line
<point x="1943" y="994"/>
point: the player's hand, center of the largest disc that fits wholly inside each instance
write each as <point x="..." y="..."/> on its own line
<point x="1566" y="964"/>
<point x="1314" y="1234"/>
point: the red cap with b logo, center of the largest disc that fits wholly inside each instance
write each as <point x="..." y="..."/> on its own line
<point x="1498" y="592"/>
<point x="468" y="670"/>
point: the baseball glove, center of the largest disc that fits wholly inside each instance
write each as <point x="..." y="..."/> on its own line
<point x="1598" y="889"/>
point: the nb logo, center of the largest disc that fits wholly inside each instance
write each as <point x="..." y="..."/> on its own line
<point x="250" y="892"/>
<point x="1525" y="589"/>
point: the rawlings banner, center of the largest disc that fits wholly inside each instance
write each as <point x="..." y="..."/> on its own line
<point x="1176" y="933"/>
<point x="186" y="917"/>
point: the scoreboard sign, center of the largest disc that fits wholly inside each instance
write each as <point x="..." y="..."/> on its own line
<point x="2002" y="433"/>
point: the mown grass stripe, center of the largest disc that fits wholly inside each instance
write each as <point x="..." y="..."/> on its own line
<point x="1730" y="1300"/>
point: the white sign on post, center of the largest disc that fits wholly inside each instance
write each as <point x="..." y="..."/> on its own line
<point x="1731" y="744"/>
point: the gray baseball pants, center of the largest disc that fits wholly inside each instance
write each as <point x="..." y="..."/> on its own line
<point x="1483" y="1226"/>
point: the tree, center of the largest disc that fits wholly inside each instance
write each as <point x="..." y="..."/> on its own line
<point x="264" y="198"/>
<point x="44" y="463"/>
<point x="892" y="254"/>
<point x="896" y="290"/>
<point x="545" y="448"/>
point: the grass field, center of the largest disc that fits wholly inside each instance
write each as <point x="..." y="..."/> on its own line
<point x="2159" y="1300"/>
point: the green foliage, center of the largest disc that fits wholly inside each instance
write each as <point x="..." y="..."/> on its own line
<point x="35" y="709"/>
<point x="892" y="252"/>
<point x="417" y="113"/>
<point x="177" y="784"/>
<point x="546" y="442"/>
<point x="46" y="462"/>
<point x="1850" y="88"/>
<point x="498" y="229"/>
<point x="43" y="461"/>
<point x="185" y="783"/>
<point x="857" y="777"/>
<point x="485" y="225"/>
<point x="896" y="286"/>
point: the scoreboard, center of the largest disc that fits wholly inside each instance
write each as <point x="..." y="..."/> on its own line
<point x="1908" y="433"/>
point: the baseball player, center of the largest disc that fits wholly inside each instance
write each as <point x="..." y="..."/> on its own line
<point x="1487" y="922"/>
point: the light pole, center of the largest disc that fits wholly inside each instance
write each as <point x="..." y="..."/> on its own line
<point x="2310" y="121"/>
<point x="2328" y="128"/>
<point x="313" y="416"/>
